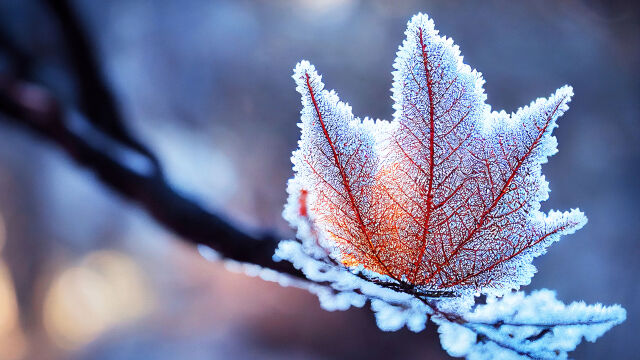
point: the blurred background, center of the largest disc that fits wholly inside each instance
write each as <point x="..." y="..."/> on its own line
<point x="206" y="85"/>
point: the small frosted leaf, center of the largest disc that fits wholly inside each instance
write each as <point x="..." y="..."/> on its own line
<point x="535" y="326"/>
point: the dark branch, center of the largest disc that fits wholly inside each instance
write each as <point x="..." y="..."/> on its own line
<point x="35" y="108"/>
<point x="95" y="97"/>
<point x="102" y="137"/>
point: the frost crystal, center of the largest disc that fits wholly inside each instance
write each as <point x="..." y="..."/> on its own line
<point x="535" y="326"/>
<point x="421" y="213"/>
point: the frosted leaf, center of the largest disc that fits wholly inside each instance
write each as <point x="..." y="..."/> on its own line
<point x="421" y="214"/>
<point x="444" y="199"/>
<point x="535" y="326"/>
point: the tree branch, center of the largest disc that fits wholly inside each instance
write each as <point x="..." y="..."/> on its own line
<point x="36" y="109"/>
<point x="100" y="139"/>
<point x="95" y="97"/>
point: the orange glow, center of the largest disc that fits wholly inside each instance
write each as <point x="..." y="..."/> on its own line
<point x="103" y="291"/>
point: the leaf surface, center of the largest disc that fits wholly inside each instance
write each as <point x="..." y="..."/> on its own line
<point x="446" y="196"/>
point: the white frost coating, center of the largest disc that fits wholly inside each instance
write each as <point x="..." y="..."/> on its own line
<point x="393" y="309"/>
<point x="456" y="339"/>
<point x="208" y="253"/>
<point x="392" y="318"/>
<point x="535" y="326"/>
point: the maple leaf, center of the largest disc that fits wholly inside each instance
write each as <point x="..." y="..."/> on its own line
<point x="445" y="198"/>
<point x="420" y="214"/>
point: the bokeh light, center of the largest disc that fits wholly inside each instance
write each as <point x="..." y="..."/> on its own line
<point x="104" y="290"/>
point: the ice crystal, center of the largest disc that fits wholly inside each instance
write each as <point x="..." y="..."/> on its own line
<point x="536" y="326"/>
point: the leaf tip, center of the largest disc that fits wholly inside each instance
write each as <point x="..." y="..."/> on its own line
<point x="422" y="21"/>
<point x="305" y="72"/>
